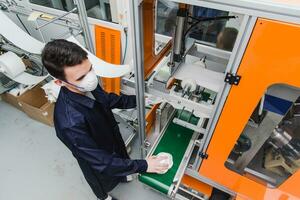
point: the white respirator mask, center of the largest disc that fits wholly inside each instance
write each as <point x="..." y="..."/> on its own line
<point x="89" y="82"/>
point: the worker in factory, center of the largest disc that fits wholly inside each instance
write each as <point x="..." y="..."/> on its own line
<point x="85" y="123"/>
<point x="226" y="38"/>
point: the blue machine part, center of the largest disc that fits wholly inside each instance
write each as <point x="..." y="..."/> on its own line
<point x="277" y="105"/>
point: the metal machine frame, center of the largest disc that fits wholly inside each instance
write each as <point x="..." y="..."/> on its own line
<point x="252" y="13"/>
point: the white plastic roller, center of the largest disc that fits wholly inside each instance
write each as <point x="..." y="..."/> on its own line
<point x="189" y="84"/>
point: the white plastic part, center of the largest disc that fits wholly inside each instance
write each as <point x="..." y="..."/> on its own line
<point x="204" y="77"/>
<point x="102" y="68"/>
<point x="18" y="37"/>
<point x="189" y="83"/>
<point x="13" y="67"/>
<point x="168" y="160"/>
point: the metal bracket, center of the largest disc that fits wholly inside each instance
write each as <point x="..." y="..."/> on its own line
<point x="57" y="18"/>
<point x="203" y="155"/>
<point x="232" y="79"/>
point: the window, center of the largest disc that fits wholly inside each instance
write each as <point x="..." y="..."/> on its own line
<point x="166" y="17"/>
<point x="208" y="30"/>
<point x="220" y="32"/>
<point x="166" y="12"/>
<point x="269" y="147"/>
<point x="99" y="9"/>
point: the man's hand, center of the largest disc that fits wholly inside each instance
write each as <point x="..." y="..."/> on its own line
<point x="155" y="165"/>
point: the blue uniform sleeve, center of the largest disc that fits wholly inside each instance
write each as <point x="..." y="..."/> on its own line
<point x="120" y="101"/>
<point x="84" y="147"/>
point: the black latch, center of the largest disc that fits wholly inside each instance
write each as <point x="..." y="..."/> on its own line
<point x="203" y="155"/>
<point x="232" y="79"/>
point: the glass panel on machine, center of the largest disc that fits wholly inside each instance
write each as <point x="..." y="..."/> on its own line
<point x="166" y="12"/>
<point x="216" y="28"/>
<point x="99" y="9"/>
<point x="213" y="27"/>
<point x="269" y="147"/>
<point x="207" y="30"/>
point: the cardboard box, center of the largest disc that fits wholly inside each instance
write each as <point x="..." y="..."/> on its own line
<point x="36" y="105"/>
<point x="12" y="100"/>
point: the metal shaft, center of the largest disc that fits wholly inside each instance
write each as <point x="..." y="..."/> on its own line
<point x="83" y="20"/>
<point x="136" y="31"/>
<point x="180" y="24"/>
<point x="56" y="18"/>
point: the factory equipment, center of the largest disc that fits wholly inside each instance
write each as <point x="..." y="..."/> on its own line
<point x="221" y="81"/>
<point x="220" y="90"/>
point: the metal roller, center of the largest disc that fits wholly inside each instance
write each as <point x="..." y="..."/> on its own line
<point x="180" y="26"/>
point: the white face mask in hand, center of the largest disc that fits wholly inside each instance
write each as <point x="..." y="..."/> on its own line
<point x="88" y="83"/>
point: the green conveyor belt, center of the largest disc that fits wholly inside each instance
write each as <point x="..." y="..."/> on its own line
<point x="174" y="141"/>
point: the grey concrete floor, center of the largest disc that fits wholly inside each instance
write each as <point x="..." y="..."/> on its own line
<point x="35" y="165"/>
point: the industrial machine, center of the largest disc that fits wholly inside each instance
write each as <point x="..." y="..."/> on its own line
<point x="222" y="89"/>
<point x="236" y="106"/>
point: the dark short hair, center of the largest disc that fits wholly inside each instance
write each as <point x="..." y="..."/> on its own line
<point x="228" y="38"/>
<point x="59" y="54"/>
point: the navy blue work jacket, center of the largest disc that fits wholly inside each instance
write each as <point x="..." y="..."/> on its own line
<point x="88" y="128"/>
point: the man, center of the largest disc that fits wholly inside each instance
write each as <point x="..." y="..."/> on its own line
<point x="85" y="123"/>
<point x="226" y="38"/>
<point x="208" y="31"/>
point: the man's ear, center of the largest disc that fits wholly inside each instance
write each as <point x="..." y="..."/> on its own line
<point x="59" y="82"/>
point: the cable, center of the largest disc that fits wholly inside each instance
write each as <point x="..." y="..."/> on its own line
<point x="204" y="20"/>
<point x="126" y="44"/>
<point x="22" y="24"/>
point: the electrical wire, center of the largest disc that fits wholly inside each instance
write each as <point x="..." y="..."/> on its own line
<point x="23" y="24"/>
<point x="204" y="20"/>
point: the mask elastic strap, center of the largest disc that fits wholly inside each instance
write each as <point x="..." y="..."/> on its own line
<point x="74" y="85"/>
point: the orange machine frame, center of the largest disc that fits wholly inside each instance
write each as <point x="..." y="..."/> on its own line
<point x="150" y="59"/>
<point x="272" y="57"/>
<point x="197" y="185"/>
